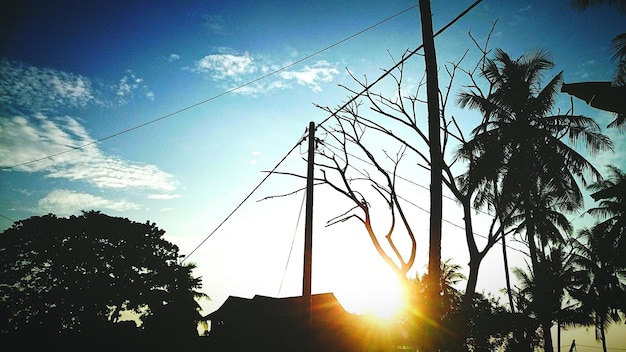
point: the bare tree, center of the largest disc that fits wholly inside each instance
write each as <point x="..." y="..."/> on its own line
<point x="380" y="132"/>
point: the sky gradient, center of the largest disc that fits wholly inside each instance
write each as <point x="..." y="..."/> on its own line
<point x="176" y="109"/>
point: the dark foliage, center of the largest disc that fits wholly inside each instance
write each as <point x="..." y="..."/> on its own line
<point x="74" y="277"/>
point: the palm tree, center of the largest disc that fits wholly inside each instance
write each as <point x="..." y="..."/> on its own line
<point x="611" y="193"/>
<point x="602" y="290"/>
<point x="448" y="300"/>
<point x="521" y="148"/>
<point x="543" y="293"/>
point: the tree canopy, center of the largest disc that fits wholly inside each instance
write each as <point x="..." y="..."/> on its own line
<point x="79" y="274"/>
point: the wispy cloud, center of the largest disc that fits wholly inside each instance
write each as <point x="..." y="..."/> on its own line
<point x="64" y="202"/>
<point x="128" y="85"/>
<point x="30" y="138"/>
<point x="312" y="75"/>
<point x="35" y="89"/>
<point x="227" y="66"/>
<point x="215" y="24"/>
<point x="234" y="69"/>
<point x="173" y="57"/>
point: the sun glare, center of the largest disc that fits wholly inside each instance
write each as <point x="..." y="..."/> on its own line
<point x="380" y="295"/>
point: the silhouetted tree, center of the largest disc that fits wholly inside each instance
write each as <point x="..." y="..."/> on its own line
<point x="447" y="299"/>
<point x="611" y="211"/>
<point x="544" y="296"/>
<point x="519" y="150"/>
<point x="436" y="166"/>
<point x="81" y="274"/>
<point x="602" y="291"/>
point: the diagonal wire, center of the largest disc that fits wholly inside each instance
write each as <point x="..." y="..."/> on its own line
<point x="404" y="59"/>
<point x="302" y="138"/>
<point x="418" y="185"/>
<point x="293" y="240"/>
<point x="283" y="68"/>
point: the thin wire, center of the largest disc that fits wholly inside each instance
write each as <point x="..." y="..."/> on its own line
<point x="402" y="61"/>
<point x="598" y="347"/>
<point x="411" y="203"/>
<point x="213" y="97"/>
<point x="6" y="217"/>
<point x="246" y="198"/>
<point x="293" y="240"/>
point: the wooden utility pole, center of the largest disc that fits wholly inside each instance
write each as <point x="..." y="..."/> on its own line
<point x="308" y="237"/>
<point x="434" y="124"/>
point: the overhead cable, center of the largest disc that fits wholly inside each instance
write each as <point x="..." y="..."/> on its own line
<point x="283" y="68"/>
<point x="404" y="59"/>
<point x="246" y="198"/>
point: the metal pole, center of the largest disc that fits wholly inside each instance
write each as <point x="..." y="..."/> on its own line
<point x="308" y="236"/>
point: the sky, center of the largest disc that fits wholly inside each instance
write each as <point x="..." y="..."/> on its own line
<point x="173" y="112"/>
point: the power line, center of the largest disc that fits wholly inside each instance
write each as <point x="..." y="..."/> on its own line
<point x="599" y="348"/>
<point x="71" y="149"/>
<point x="6" y="217"/>
<point x="302" y="138"/>
<point x="419" y="185"/>
<point x="402" y="61"/>
<point x="325" y="120"/>
<point x="293" y="240"/>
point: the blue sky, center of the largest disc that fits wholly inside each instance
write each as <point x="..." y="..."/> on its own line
<point x="76" y="72"/>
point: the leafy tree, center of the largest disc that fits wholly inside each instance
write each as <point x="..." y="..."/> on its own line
<point x="601" y="267"/>
<point x="448" y="300"/>
<point x="602" y="291"/>
<point x="543" y="294"/>
<point x="518" y="151"/>
<point x="611" y="211"/>
<point x="80" y="274"/>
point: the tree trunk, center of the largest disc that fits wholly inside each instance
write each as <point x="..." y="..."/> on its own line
<point x="507" y="276"/>
<point x="472" y="279"/>
<point x="432" y="93"/>
<point x="603" y="335"/>
<point x="546" y="324"/>
<point x="558" y="334"/>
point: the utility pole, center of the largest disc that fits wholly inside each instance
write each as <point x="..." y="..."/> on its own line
<point x="308" y="238"/>
<point x="434" y="124"/>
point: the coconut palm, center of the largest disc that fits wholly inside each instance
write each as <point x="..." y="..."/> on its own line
<point x="543" y="293"/>
<point x="602" y="290"/>
<point x="520" y="149"/>
<point x="611" y="211"/>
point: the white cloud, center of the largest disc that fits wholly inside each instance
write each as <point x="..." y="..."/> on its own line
<point x="312" y="76"/>
<point x="221" y="66"/>
<point x="128" y="85"/>
<point x="235" y="69"/>
<point x="26" y="139"/>
<point x="63" y="202"/>
<point x="42" y="88"/>
<point x="173" y="57"/>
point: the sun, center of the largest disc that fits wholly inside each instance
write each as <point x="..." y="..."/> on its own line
<point x="377" y="292"/>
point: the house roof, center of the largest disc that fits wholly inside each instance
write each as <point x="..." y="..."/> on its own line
<point x="322" y="305"/>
